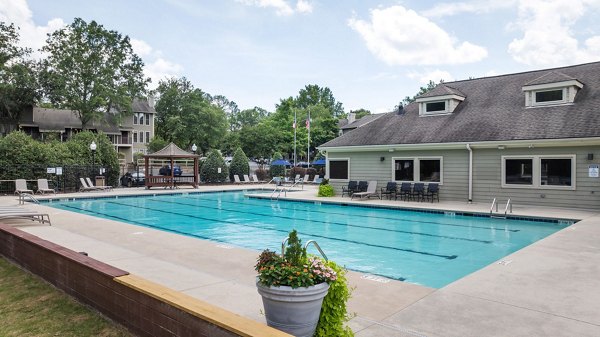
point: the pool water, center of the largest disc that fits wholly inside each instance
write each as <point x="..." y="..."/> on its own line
<point x="430" y="249"/>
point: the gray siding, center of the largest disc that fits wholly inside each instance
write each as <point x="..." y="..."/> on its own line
<point x="487" y="179"/>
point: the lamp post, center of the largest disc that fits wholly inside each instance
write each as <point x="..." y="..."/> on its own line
<point x="93" y="149"/>
<point x="194" y="148"/>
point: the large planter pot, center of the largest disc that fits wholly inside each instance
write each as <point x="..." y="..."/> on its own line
<point x="295" y="311"/>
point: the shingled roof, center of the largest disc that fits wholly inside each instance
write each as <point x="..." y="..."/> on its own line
<point x="172" y="150"/>
<point x="551" y="77"/>
<point x="441" y="90"/>
<point x="362" y="121"/>
<point x="493" y="110"/>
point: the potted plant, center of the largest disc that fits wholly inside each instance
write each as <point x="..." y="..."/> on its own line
<point x="293" y="286"/>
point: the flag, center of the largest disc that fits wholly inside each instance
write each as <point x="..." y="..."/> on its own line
<point x="308" y="123"/>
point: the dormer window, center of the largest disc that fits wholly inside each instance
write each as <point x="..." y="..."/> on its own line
<point x="551" y="89"/>
<point x="441" y="100"/>
<point x="434" y="107"/>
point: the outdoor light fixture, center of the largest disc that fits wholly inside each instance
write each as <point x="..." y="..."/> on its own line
<point x="501" y="147"/>
<point x="382" y="158"/>
<point x="590" y="156"/>
<point x="194" y="148"/>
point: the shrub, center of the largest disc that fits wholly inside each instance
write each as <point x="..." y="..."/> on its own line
<point x="334" y="314"/>
<point x="324" y="182"/>
<point x="210" y="168"/>
<point x="311" y="173"/>
<point x="326" y="191"/>
<point x="262" y="174"/>
<point x="239" y="164"/>
<point x="297" y="170"/>
<point x="277" y="170"/>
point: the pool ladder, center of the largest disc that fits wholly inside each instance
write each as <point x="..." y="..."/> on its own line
<point x="283" y="189"/>
<point x="309" y="242"/>
<point x="506" y="209"/>
<point x="22" y="197"/>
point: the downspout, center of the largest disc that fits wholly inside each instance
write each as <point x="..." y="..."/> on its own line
<point x="470" y="173"/>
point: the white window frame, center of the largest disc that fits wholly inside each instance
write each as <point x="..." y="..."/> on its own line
<point x="135" y="119"/>
<point x="147" y="137"/>
<point x="147" y="117"/>
<point x="338" y="159"/>
<point x="537" y="171"/>
<point x="135" y="137"/>
<point x="141" y="137"/>
<point x="435" y="112"/>
<point x="562" y="101"/>
<point x="417" y="169"/>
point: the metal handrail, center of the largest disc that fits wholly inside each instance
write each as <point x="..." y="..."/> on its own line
<point x="494" y="204"/>
<point x="30" y="196"/>
<point x="508" y="204"/>
<point x="318" y="248"/>
<point x="283" y="246"/>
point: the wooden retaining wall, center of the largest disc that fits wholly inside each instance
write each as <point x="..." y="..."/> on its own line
<point x="143" y="307"/>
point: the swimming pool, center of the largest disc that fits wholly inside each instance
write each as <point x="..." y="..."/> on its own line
<point x="427" y="248"/>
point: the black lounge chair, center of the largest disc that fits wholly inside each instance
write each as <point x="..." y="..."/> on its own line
<point x="352" y="186"/>
<point x="418" y="191"/>
<point x="405" y="192"/>
<point x="433" y="190"/>
<point x="362" y="186"/>
<point x="370" y="192"/>
<point x="389" y="190"/>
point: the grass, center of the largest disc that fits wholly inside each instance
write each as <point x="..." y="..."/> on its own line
<point x="32" y="307"/>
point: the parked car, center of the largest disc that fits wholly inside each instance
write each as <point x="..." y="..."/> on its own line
<point x="166" y="170"/>
<point x="131" y="179"/>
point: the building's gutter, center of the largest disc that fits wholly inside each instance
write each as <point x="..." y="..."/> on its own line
<point x="470" y="172"/>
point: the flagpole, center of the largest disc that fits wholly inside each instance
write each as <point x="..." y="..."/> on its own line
<point x="308" y="146"/>
<point x="295" y="126"/>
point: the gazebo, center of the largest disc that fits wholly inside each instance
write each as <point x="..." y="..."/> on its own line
<point x="170" y="153"/>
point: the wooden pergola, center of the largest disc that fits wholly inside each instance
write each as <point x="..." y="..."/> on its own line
<point x="171" y="153"/>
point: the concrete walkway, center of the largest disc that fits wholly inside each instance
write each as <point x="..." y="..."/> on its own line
<point x="549" y="288"/>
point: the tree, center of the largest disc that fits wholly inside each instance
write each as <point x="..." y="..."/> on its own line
<point x="91" y="70"/>
<point x="157" y="144"/>
<point x="360" y="113"/>
<point x="210" y="169"/>
<point x="312" y="94"/>
<point x="18" y="78"/>
<point x="185" y="115"/>
<point x="407" y="100"/>
<point x="239" y="164"/>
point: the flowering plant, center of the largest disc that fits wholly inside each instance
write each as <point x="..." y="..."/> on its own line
<point x="294" y="268"/>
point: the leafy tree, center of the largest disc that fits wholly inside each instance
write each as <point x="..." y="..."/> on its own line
<point x="91" y="70"/>
<point x="229" y="107"/>
<point x="277" y="170"/>
<point x="18" y="78"/>
<point x="157" y="144"/>
<point x="314" y="95"/>
<point x="248" y="118"/>
<point x="360" y="113"/>
<point x="258" y="141"/>
<point x="230" y="142"/>
<point x="210" y="169"/>
<point x="187" y="116"/>
<point x="239" y="164"/>
<point x="422" y="90"/>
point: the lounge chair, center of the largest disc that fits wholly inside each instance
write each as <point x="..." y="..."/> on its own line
<point x="405" y="191"/>
<point x="316" y="180"/>
<point x="42" y="187"/>
<point x="85" y="187"/>
<point x="362" y="186"/>
<point x="246" y="179"/>
<point x="433" y="190"/>
<point x="17" y="213"/>
<point x="21" y="187"/>
<point x="418" y="191"/>
<point x="306" y="179"/>
<point x="371" y="191"/>
<point x="351" y="188"/>
<point x="297" y="178"/>
<point x="236" y="179"/>
<point x="102" y="188"/>
<point x="255" y="179"/>
<point x="389" y="190"/>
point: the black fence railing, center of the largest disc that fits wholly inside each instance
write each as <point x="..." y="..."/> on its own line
<point x="61" y="178"/>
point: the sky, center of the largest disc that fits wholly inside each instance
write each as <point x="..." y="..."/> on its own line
<point x="371" y="54"/>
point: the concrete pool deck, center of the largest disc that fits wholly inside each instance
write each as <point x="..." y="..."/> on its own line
<point x="549" y="288"/>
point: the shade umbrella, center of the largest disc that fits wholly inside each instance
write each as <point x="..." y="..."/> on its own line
<point x="319" y="162"/>
<point x="280" y="162"/>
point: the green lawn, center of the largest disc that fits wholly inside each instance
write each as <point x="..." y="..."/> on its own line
<point x="32" y="307"/>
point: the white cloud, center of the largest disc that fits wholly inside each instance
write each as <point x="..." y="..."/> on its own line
<point x="32" y="35"/>
<point x="156" y="66"/>
<point x="430" y="75"/>
<point x="477" y="7"/>
<point x="400" y="36"/>
<point x="282" y="7"/>
<point x="548" y="38"/>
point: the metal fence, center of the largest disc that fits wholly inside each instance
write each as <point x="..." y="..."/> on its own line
<point x="61" y="178"/>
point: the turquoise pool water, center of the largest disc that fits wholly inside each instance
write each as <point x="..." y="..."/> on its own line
<point x="430" y="249"/>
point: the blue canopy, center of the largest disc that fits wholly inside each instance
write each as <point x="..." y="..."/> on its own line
<point x="280" y="162"/>
<point x="319" y="162"/>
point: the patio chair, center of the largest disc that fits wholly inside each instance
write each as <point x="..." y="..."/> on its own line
<point x="42" y="187"/>
<point x="405" y="191"/>
<point x="351" y="188"/>
<point x="236" y="179"/>
<point x="297" y="178"/>
<point x="246" y="179"/>
<point x="316" y="180"/>
<point x="17" y="213"/>
<point x="362" y="186"/>
<point x="306" y="178"/>
<point x="21" y="187"/>
<point x="255" y="179"/>
<point x="418" y="191"/>
<point x="102" y="188"/>
<point x="371" y="191"/>
<point x="389" y="190"/>
<point x="85" y="187"/>
<point x="433" y="190"/>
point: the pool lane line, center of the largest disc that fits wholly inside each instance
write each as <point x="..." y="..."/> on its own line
<point x="139" y="223"/>
<point x="375" y="217"/>
<point x="448" y="257"/>
<point x="330" y="223"/>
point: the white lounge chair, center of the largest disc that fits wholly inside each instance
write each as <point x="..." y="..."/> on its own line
<point x="236" y="179"/>
<point x="102" y="188"/>
<point x="371" y="191"/>
<point x="42" y="187"/>
<point x="247" y="179"/>
<point x="17" y="213"/>
<point x="305" y="179"/>
<point x="21" y="187"/>
<point x="317" y="179"/>
<point x="255" y="179"/>
<point x="85" y="187"/>
<point x="297" y="179"/>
